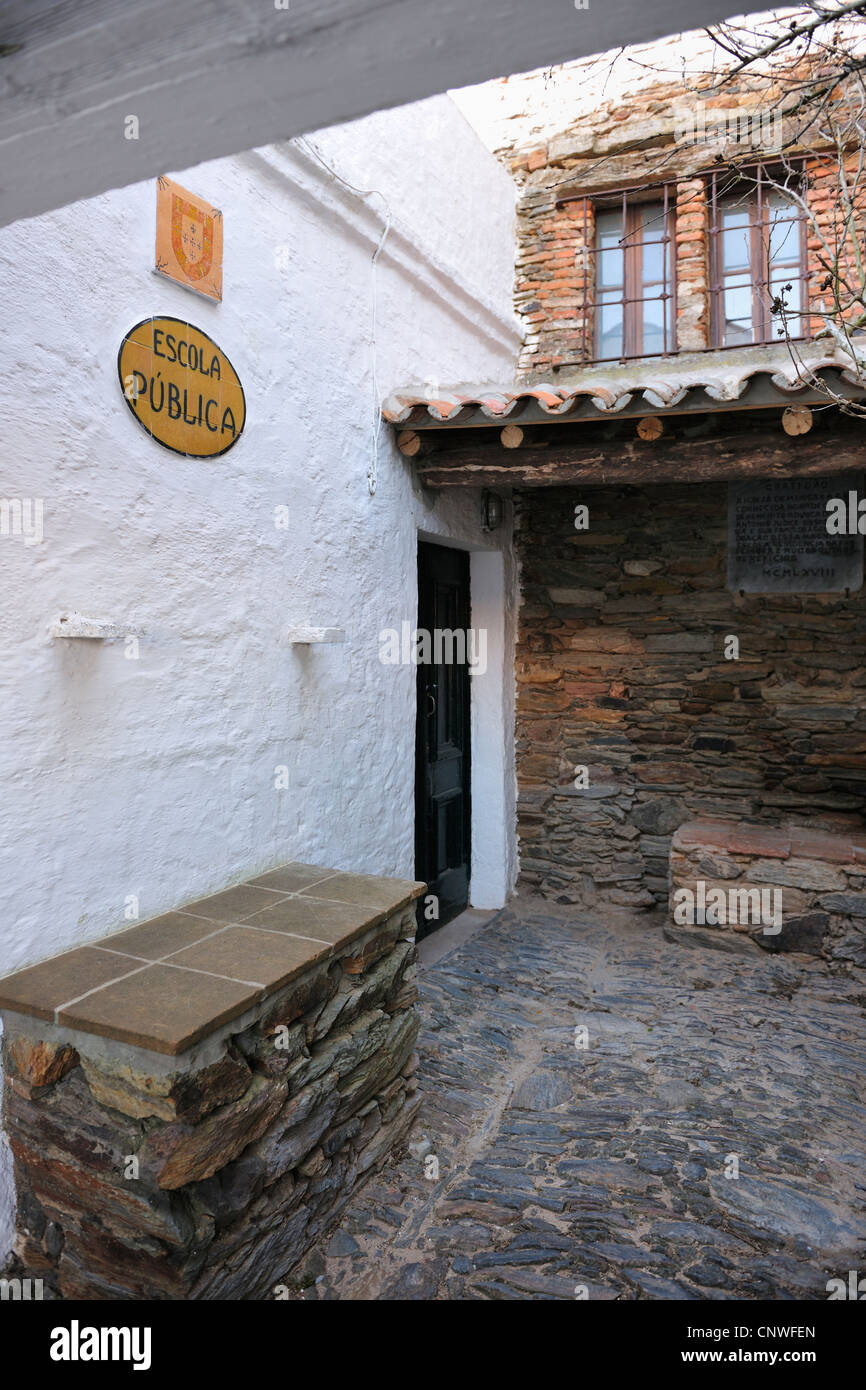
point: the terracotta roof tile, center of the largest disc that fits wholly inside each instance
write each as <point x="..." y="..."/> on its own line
<point x="611" y="387"/>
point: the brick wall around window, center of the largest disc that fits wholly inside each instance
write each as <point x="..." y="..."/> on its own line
<point x="553" y="286"/>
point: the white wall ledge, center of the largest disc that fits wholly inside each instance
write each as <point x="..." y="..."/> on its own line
<point x="308" y="636"/>
<point x="77" y="625"/>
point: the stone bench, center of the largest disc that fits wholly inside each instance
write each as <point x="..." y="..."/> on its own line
<point x="790" y="889"/>
<point x="191" y="1101"/>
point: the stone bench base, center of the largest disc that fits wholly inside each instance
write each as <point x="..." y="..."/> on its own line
<point x="788" y="890"/>
<point x="207" y="1173"/>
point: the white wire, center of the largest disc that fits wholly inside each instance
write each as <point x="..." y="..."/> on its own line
<point x="373" y="468"/>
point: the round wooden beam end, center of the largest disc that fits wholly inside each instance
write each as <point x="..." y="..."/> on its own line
<point x="409" y="443"/>
<point x="511" y="436"/>
<point x="650" y="427"/>
<point x="796" y="419"/>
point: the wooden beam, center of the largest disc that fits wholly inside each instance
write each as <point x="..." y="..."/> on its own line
<point x="414" y="445"/>
<point x="409" y="443"/>
<point x="519" y="437"/>
<point x="721" y="458"/>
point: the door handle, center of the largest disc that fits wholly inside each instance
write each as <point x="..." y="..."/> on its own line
<point x="431" y="710"/>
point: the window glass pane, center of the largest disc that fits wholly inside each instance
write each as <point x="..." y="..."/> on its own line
<point x="610" y="279"/>
<point x="736" y="249"/>
<point x="610" y="259"/>
<point x="651" y="217"/>
<point x="608" y="228"/>
<point x="778" y="202"/>
<point x="737" y="300"/>
<point x="610" y="268"/>
<point x="610" y="330"/>
<point x="653" y="326"/>
<point x="784" y="254"/>
<point x="653" y="263"/>
<point x="793" y="303"/>
<point x="734" y="212"/>
<point x="784" y="239"/>
<point x="648" y="234"/>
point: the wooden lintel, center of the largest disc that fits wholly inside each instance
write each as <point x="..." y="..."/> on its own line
<point x="721" y="458"/>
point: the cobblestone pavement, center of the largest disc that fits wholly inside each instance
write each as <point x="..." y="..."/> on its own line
<point x="606" y="1166"/>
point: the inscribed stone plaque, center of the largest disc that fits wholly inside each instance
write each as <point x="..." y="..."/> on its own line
<point x="778" y="542"/>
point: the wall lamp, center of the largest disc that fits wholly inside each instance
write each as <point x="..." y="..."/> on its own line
<point x="491" y="511"/>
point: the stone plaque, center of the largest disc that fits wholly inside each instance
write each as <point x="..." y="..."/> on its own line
<point x="778" y="542"/>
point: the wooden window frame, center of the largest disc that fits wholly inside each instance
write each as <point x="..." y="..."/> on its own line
<point x="755" y="190"/>
<point x="630" y="201"/>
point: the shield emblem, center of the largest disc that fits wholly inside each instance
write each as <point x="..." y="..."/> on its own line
<point x="191" y="238"/>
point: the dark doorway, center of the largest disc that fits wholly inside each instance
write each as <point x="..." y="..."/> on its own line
<point x="442" y="811"/>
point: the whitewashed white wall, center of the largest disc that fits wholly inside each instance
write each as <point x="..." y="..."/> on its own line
<point x="155" y="777"/>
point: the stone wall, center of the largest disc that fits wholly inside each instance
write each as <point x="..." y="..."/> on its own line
<point x="621" y="668"/>
<point x="140" y="1176"/>
<point x="789" y="890"/>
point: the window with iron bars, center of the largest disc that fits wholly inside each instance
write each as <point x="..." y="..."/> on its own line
<point x="632" y="300"/>
<point x="757" y="256"/>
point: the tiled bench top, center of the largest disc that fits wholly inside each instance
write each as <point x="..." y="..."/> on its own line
<point x="766" y="842"/>
<point x="167" y="983"/>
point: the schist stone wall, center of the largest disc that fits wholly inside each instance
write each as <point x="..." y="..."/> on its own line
<point x="145" y="1174"/>
<point x="621" y="669"/>
<point x="791" y="890"/>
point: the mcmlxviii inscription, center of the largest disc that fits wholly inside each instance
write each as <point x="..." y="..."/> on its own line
<point x="778" y="541"/>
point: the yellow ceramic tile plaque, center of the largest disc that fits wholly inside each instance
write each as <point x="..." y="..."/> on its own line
<point x="189" y="239"/>
<point x="181" y="387"/>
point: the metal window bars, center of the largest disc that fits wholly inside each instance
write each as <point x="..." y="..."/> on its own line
<point x="637" y="290"/>
<point x="756" y="184"/>
<point x="758" y="189"/>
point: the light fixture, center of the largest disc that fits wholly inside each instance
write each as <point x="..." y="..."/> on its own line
<point x="491" y="511"/>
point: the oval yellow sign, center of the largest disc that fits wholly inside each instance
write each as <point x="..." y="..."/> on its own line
<point x="181" y="388"/>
